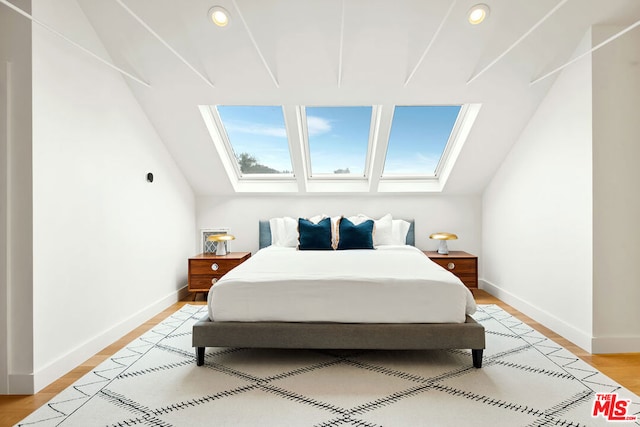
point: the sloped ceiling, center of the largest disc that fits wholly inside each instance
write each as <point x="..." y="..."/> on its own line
<point x="341" y="52"/>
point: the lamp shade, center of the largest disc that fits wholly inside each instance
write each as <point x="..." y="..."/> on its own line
<point x="220" y="237"/>
<point x="443" y="236"/>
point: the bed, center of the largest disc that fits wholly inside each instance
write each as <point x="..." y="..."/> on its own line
<point x="251" y="305"/>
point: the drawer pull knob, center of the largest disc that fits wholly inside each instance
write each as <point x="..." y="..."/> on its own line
<point x="213" y="281"/>
<point x="214" y="267"/>
<point x="451" y="266"/>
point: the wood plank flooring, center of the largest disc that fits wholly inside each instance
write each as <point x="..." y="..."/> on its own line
<point x="623" y="368"/>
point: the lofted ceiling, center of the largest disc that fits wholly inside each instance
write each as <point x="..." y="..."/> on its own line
<point x="338" y="52"/>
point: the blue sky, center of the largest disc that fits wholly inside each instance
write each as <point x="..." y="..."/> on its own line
<point x="339" y="136"/>
<point x="418" y="137"/>
<point x="260" y="131"/>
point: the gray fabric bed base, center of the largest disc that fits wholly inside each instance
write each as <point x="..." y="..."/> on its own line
<point x="379" y="336"/>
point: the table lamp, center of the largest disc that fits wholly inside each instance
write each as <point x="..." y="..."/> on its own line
<point x="443" y="237"/>
<point x="221" y="239"/>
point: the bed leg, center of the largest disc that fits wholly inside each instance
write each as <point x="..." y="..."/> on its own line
<point x="477" y="357"/>
<point x="199" y="356"/>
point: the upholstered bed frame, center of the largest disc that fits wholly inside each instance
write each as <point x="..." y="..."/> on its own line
<point x="382" y="336"/>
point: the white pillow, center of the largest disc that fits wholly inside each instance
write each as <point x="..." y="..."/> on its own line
<point x="400" y="228"/>
<point x="284" y="232"/>
<point x="316" y="219"/>
<point x="358" y="219"/>
<point x="384" y="231"/>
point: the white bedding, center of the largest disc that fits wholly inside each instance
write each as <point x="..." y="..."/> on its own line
<point x="392" y="284"/>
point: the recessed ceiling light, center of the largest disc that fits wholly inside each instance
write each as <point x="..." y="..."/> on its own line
<point x="478" y="13"/>
<point x="219" y="16"/>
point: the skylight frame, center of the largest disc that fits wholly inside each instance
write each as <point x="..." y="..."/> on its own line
<point x="224" y="138"/>
<point x="304" y="137"/>
<point x="455" y="138"/>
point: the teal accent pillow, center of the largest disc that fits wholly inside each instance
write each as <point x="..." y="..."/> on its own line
<point x="353" y="236"/>
<point x="314" y="237"/>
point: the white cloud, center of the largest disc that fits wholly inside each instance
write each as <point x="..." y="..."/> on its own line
<point x="317" y="125"/>
<point x="427" y="160"/>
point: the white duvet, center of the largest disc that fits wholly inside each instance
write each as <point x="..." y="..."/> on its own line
<point x="391" y="284"/>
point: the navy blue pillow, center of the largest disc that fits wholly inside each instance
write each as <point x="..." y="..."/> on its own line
<point x="314" y="237"/>
<point x="353" y="236"/>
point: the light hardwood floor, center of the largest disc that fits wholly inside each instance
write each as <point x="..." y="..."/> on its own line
<point x="623" y="368"/>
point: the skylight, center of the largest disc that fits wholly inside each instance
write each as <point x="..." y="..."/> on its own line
<point x="257" y="137"/>
<point x="418" y="139"/>
<point x="338" y="140"/>
<point x="339" y="149"/>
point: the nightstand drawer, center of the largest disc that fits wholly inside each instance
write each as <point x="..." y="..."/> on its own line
<point x="470" y="280"/>
<point x="205" y="266"/>
<point x="203" y="282"/>
<point x="458" y="265"/>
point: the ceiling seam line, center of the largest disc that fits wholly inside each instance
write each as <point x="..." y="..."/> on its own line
<point x="78" y="46"/>
<point x="255" y="44"/>
<point x="517" y="42"/>
<point x="163" y="41"/>
<point x="593" y="49"/>
<point x="340" y="54"/>
<point x="431" y="42"/>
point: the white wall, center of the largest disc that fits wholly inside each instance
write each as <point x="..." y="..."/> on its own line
<point x="537" y="212"/>
<point x="456" y="214"/>
<point x="16" y="311"/>
<point x="110" y="249"/>
<point x="4" y="203"/>
<point x="616" y="177"/>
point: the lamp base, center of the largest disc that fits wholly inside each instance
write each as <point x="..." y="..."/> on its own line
<point x="442" y="248"/>
<point x="221" y="248"/>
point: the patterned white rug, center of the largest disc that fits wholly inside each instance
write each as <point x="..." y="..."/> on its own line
<point x="526" y="380"/>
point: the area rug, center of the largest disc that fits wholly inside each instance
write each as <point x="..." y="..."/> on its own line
<point x="526" y="380"/>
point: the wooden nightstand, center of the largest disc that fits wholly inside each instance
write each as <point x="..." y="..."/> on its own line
<point x="462" y="264"/>
<point x="207" y="269"/>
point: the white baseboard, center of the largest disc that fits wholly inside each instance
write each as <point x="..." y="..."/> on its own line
<point x="20" y="384"/>
<point x="576" y="336"/>
<point x="78" y="355"/>
<point x="610" y="345"/>
<point x="594" y="345"/>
